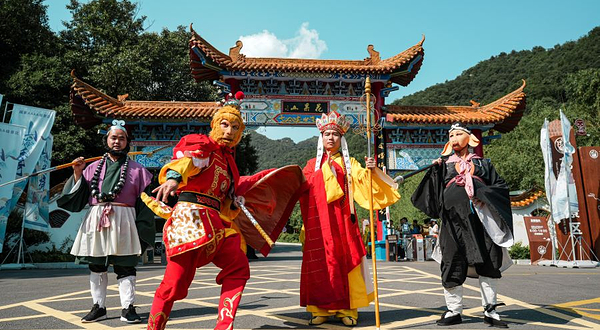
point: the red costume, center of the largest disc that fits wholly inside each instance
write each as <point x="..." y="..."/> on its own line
<point x="333" y="235"/>
<point x="335" y="279"/>
<point x="198" y="231"/>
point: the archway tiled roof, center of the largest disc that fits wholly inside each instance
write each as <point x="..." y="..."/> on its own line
<point x="504" y="113"/>
<point x="206" y="62"/>
<point x="89" y="106"/>
<point x="526" y="198"/>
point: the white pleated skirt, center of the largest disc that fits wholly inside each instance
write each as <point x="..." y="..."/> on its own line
<point x="119" y="239"/>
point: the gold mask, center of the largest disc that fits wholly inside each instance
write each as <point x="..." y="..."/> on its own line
<point x="232" y="115"/>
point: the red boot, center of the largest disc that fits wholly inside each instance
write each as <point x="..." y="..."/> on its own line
<point x="157" y="321"/>
<point x="231" y="294"/>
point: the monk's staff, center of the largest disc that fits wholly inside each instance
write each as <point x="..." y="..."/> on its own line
<point x="371" y="223"/>
<point x="240" y="203"/>
<point x="400" y="178"/>
<point x="87" y="160"/>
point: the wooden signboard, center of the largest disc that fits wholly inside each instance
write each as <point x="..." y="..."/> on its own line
<point x="588" y="196"/>
<point x="540" y="246"/>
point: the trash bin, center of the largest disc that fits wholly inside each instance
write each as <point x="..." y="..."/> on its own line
<point x="429" y="244"/>
<point x="379" y="250"/>
<point x="390" y="246"/>
<point x="418" y="247"/>
<point x="407" y="243"/>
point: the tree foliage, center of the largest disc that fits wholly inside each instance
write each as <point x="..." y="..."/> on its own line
<point x="24" y="30"/>
<point x="106" y="44"/>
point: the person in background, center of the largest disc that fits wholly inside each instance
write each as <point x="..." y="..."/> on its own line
<point x="435" y="229"/>
<point x="416" y="228"/>
<point x="366" y="231"/>
<point x="425" y="227"/>
<point x="404" y="226"/>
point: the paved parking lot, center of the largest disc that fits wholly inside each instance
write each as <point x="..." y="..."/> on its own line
<point x="410" y="298"/>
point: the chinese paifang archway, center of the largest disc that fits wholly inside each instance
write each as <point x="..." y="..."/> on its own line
<point x="294" y="92"/>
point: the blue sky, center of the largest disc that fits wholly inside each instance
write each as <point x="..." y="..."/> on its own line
<point x="459" y="34"/>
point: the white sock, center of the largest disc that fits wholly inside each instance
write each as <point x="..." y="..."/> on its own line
<point x="98" y="284"/>
<point x="453" y="298"/>
<point x="127" y="291"/>
<point x="488" y="287"/>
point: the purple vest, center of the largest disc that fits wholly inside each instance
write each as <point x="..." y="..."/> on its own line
<point x="138" y="178"/>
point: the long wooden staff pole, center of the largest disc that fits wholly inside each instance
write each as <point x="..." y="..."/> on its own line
<point x="87" y="160"/>
<point x="400" y="178"/>
<point x="371" y="223"/>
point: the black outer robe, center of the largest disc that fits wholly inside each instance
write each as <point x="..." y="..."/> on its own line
<point x="463" y="240"/>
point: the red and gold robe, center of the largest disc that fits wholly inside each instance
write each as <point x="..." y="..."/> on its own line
<point x="334" y="274"/>
<point x="201" y="223"/>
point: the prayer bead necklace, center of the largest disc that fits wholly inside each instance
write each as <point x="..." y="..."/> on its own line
<point x="111" y="195"/>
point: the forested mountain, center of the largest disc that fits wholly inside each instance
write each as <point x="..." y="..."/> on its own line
<point x="277" y="153"/>
<point x="545" y="71"/>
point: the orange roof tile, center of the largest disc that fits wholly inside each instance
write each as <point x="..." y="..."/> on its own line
<point x="89" y="106"/>
<point x="504" y="113"/>
<point x="526" y="198"/>
<point x="209" y="61"/>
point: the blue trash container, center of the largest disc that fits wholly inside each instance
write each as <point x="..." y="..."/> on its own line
<point x="379" y="250"/>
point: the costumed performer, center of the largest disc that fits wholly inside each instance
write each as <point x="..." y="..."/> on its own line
<point x="472" y="202"/>
<point x="335" y="279"/>
<point x="199" y="230"/>
<point x="118" y="226"/>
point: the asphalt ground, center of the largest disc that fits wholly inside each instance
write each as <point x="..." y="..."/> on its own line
<point x="410" y="297"/>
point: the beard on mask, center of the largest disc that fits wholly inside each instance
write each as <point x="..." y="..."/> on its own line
<point x="116" y="153"/>
<point x="217" y="134"/>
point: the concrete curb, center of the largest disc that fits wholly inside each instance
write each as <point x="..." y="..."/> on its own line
<point x="44" y="265"/>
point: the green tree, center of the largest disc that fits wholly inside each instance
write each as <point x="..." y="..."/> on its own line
<point x="23" y="30"/>
<point x="102" y="43"/>
<point x="41" y="80"/>
<point x="245" y="156"/>
<point x="169" y="63"/>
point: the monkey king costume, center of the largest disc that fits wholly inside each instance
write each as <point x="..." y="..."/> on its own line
<point x="199" y="230"/>
<point x="472" y="201"/>
<point x="335" y="279"/>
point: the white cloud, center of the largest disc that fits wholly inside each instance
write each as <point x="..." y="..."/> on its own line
<point x="264" y="44"/>
<point x="306" y="44"/>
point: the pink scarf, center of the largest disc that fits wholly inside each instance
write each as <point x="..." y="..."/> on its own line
<point x="464" y="177"/>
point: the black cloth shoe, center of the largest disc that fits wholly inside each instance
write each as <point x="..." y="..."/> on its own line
<point x="452" y="320"/>
<point x="494" y="323"/>
<point x="129" y="315"/>
<point x="490" y="320"/>
<point x="95" y="314"/>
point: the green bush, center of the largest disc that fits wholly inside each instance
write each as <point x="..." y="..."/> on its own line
<point x="288" y="237"/>
<point x="518" y="251"/>
<point x="51" y="255"/>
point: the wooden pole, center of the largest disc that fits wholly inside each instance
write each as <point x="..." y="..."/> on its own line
<point x="87" y="160"/>
<point x="371" y="223"/>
